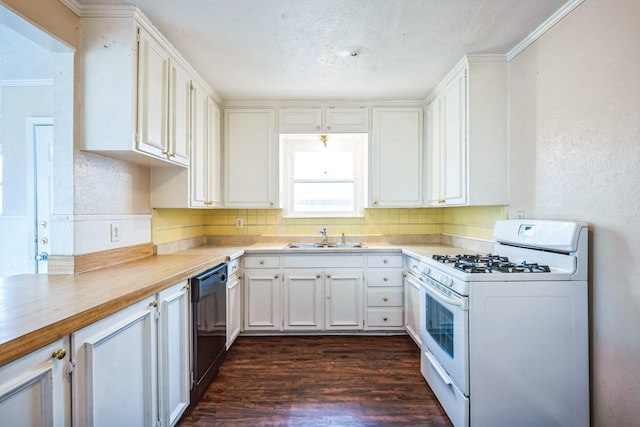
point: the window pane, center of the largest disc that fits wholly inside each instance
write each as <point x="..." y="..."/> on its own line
<point x="323" y="197"/>
<point x="325" y="164"/>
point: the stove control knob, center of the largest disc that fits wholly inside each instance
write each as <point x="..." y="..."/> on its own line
<point x="449" y="281"/>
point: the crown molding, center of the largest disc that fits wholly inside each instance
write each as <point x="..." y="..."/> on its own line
<point x="73" y="5"/>
<point x="567" y="8"/>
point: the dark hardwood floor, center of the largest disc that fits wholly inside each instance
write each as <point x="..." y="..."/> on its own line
<point x="319" y="381"/>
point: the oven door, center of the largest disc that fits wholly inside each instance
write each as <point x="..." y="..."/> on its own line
<point x="444" y="329"/>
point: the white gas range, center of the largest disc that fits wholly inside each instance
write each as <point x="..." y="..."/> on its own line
<point x="505" y="335"/>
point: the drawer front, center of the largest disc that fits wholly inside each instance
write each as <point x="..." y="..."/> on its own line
<point x="385" y="317"/>
<point x="322" y="261"/>
<point x="233" y="267"/>
<point x="384" y="297"/>
<point x="384" y="277"/>
<point x="262" y="262"/>
<point x="384" y="261"/>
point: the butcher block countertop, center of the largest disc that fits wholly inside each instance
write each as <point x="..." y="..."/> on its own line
<point x="36" y="310"/>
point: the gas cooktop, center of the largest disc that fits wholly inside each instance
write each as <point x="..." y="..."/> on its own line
<point x="490" y="264"/>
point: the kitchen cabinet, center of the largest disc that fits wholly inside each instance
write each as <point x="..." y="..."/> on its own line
<point x="234" y="302"/>
<point x="262" y="293"/>
<point x="200" y="185"/>
<point x="384" y="292"/>
<point x="250" y="158"/>
<point x="467" y="136"/>
<point x="396" y="157"/>
<point x="343" y="293"/>
<point x="323" y="120"/>
<point x="303" y="300"/>
<point x="174" y="342"/>
<point x="136" y="91"/>
<point x="412" y="306"/>
<point x="115" y="378"/>
<point x="133" y="367"/>
<point x="35" y="390"/>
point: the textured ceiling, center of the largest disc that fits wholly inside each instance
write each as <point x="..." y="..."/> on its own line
<point x="336" y="49"/>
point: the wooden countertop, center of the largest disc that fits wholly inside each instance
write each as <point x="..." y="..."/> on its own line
<point x="36" y="310"/>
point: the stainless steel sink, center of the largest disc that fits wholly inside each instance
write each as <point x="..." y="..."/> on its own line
<point x="323" y="246"/>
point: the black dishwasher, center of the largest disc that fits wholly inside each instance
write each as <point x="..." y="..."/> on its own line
<point x="209" y="329"/>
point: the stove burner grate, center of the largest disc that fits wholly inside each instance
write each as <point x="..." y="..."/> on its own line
<point x="490" y="264"/>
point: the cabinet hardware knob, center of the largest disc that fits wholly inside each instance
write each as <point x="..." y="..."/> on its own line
<point x="166" y="153"/>
<point x="328" y="127"/>
<point x="153" y="304"/>
<point x="185" y="287"/>
<point x="234" y="267"/>
<point x="59" y="354"/>
<point x="261" y="261"/>
<point x="270" y="203"/>
<point x="385" y="299"/>
<point x="375" y="202"/>
<point x="386" y="261"/>
<point x="318" y="127"/>
<point x="404" y="274"/>
<point x="275" y="276"/>
<point x="385" y="319"/>
<point x="386" y="279"/>
<point x="328" y="276"/>
<point x="317" y="276"/>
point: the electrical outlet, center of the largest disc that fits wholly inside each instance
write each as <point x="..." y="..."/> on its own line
<point x="239" y="222"/>
<point x="520" y="214"/>
<point x="115" y="232"/>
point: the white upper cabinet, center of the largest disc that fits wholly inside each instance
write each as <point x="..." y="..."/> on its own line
<point x="250" y="158"/>
<point x="467" y="136"/>
<point x="327" y="120"/>
<point x="396" y="157"/>
<point x="136" y="100"/>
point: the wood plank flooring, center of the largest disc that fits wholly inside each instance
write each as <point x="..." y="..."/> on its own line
<point x="319" y="381"/>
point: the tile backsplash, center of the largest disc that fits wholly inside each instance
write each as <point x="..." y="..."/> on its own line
<point x="171" y="225"/>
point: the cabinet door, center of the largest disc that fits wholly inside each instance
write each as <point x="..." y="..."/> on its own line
<point x="302" y="300"/>
<point x="115" y="381"/>
<point x="34" y="390"/>
<point x="347" y="120"/>
<point x="343" y="293"/>
<point x="396" y="158"/>
<point x="300" y="120"/>
<point x="153" y="81"/>
<point x="262" y="300"/>
<point x="433" y="161"/>
<point x="214" y="155"/>
<point x="234" y="309"/>
<point x="412" y="309"/>
<point x="199" y="148"/>
<point x="179" y="114"/>
<point x="454" y="125"/>
<point x="250" y="159"/>
<point x="173" y="352"/>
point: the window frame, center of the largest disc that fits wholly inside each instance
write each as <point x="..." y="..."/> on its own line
<point x="356" y="143"/>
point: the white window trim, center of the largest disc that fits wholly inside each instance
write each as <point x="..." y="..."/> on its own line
<point x="288" y="144"/>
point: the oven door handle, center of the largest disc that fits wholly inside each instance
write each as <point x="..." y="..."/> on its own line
<point x="443" y="374"/>
<point x="462" y="302"/>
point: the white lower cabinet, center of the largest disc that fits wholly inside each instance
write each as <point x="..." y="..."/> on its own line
<point x="234" y="302"/>
<point x="174" y="342"/>
<point x="384" y="292"/>
<point x="262" y="306"/>
<point x="343" y="293"/>
<point x="132" y="368"/>
<point x="412" y="308"/>
<point x="302" y="300"/>
<point x="34" y="390"/>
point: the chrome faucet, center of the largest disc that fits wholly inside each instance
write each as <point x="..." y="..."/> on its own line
<point x="324" y="236"/>
<point x="343" y="239"/>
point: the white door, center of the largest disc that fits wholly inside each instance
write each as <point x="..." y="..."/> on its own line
<point x="343" y="291"/>
<point x="43" y="157"/>
<point x="303" y="300"/>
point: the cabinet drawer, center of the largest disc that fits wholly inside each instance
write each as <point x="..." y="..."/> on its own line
<point x="384" y="277"/>
<point x="233" y="267"/>
<point x="262" y="262"/>
<point x="322" y="261"/>
<point x="384" y="261"/>
<point x="385" y="317"/>
<point x="384" y="297"/>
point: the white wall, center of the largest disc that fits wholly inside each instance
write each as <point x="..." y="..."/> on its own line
<point x="575" y="154"/>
